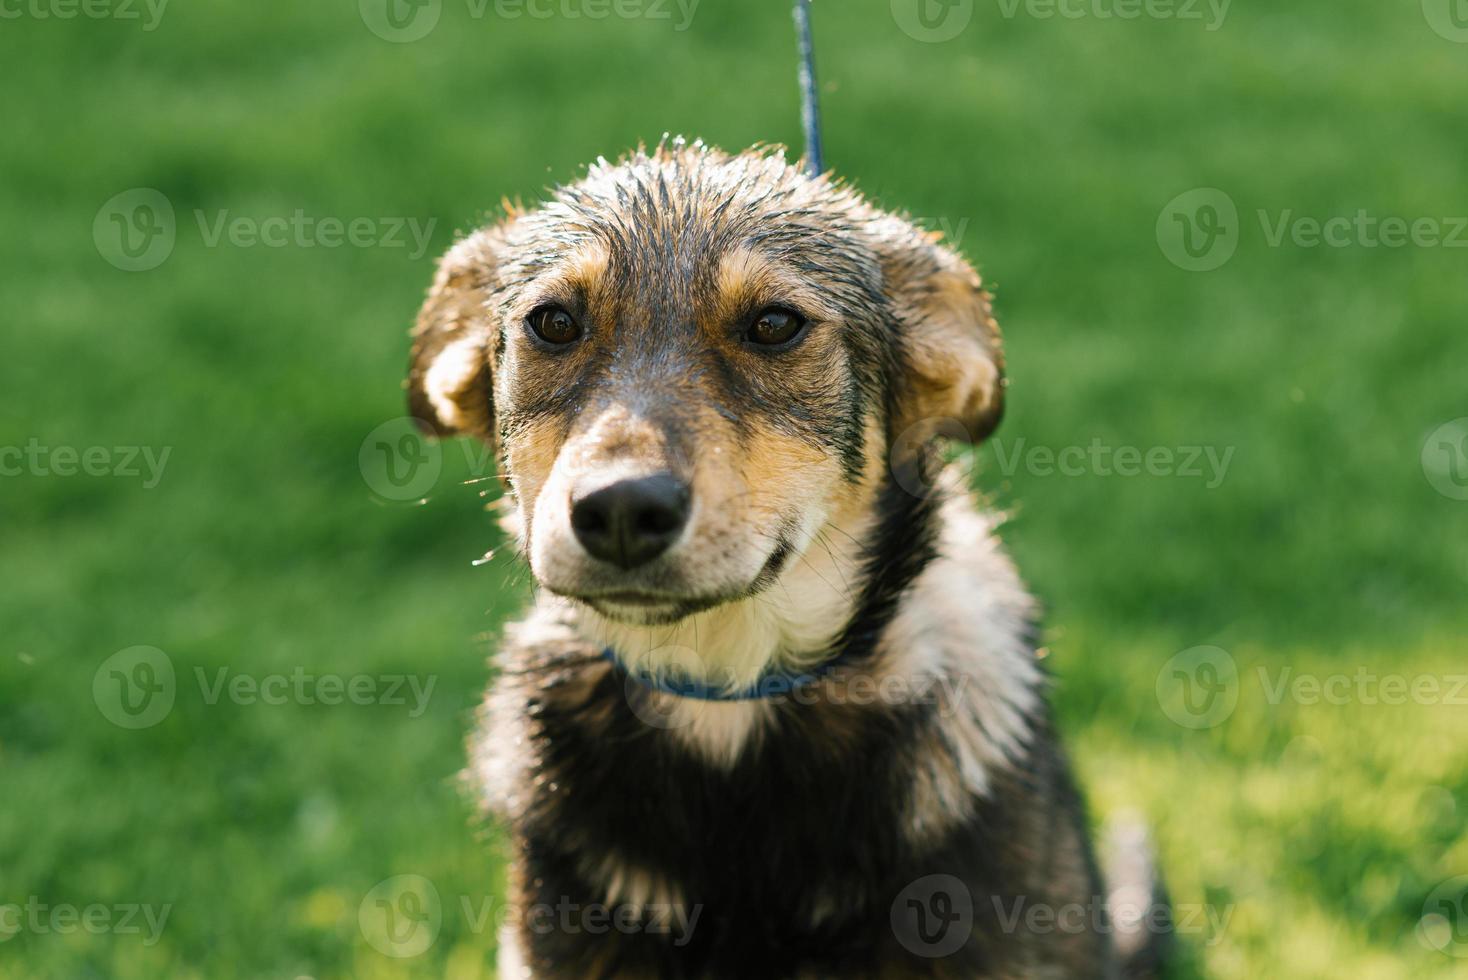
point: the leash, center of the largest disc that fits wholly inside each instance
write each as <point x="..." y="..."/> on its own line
<point x="810" y="101"/>
<point x="773" y="684"/>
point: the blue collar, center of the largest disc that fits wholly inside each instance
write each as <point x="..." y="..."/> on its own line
<point x="770" y="685"/>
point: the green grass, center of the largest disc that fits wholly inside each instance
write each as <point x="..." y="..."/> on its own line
<point x="1053" y="144"/>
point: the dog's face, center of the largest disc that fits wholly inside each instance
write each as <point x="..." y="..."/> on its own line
<point x="691" y="364"/>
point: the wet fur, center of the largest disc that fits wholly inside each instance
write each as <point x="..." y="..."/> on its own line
<point x="785" y="830"/>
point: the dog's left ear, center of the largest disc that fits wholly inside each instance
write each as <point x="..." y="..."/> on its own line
<point x="952" y="357"/>
<point x="450" y="370"/>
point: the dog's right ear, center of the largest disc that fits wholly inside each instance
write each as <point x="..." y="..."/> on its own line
<point x="954" y="379"/>
<point x="450" y="372"/>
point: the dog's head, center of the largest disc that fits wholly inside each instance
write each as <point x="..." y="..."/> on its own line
<point x="691" y="363"/>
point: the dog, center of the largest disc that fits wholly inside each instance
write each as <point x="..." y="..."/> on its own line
<point x="777" y="711"/>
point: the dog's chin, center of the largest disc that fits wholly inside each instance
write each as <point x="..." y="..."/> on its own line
<point x="631" y="607"/>
<point x="632" y="610"/>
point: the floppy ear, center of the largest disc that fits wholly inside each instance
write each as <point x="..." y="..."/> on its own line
<point x="952" y="359"/>
<point x="450" y="369"/>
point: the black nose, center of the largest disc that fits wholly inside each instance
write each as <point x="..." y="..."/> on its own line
<point x="631" y="522"/>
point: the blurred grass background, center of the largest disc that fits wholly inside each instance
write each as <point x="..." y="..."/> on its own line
<point x="1047" y="146"/>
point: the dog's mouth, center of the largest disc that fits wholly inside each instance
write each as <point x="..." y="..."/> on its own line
<point x="657" y="607"/>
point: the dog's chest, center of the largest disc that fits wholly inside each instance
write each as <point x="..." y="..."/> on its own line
<point x="786" y="856"/>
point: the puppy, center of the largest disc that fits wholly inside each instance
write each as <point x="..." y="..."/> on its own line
<point x="777" y="711"/>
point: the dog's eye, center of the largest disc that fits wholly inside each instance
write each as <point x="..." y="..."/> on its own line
<point x="554" y="325"/>
<point x="775" y="326"/>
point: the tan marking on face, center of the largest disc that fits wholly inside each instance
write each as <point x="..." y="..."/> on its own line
<point x="787" y="478"/>
<point x="748" y="280"/>
<point x="583" y="271"/>
<point x="529" y="459"/>
<point x="853" y="501"/>
<point x="619" y="444"/>
<point x="619" y="438"/>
